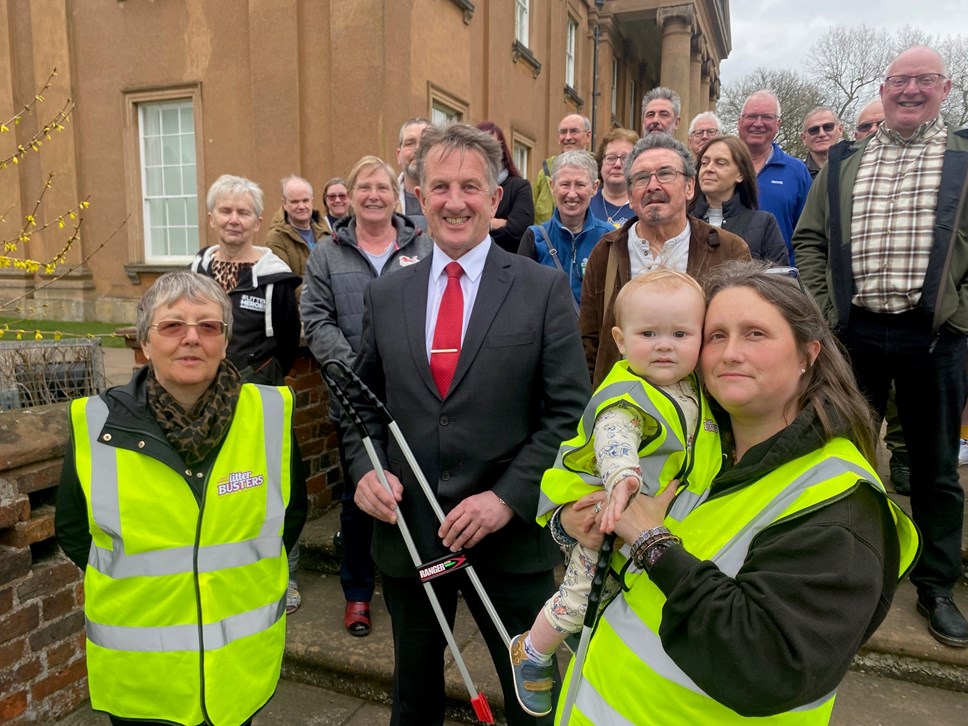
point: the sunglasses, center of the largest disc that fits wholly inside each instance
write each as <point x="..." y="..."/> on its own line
<point x="827" y="128"/>
<point x="792" y="272"/>
<point x="868" y="125"/>
<point x="178" y="328"/>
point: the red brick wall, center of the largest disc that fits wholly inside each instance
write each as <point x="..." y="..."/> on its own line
<point x="42" y="668"/>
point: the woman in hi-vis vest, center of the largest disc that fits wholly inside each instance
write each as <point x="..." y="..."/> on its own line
<point x="748" y="596"/>
<point x="180" y="495"/>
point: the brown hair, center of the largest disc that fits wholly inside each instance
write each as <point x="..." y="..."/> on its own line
<point x="828" y="386"/>
<point x="506" y="158"/>
<point x="618" y="134"/>
<point x="748" y="191"/>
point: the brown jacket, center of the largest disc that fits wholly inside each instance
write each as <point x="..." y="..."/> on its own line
<point x="284" y="240"/>
<point x="708" y="247"/>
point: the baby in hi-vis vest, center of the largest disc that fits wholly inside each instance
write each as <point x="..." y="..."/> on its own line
<point x="644" y="415"/>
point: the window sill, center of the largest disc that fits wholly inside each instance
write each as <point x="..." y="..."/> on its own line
<point x="468" y="7"/>
<point x="136" y="269"/>
<point x="520" y="52"/>
<point x="572" y="97"/>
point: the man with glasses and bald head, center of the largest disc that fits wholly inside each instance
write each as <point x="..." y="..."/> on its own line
<point x="869" y="119"/>
<point x="883" y="245"/>
<point x="704" y="128"/>
<point x="783" y="180"/>
<point x="574" y="134"/>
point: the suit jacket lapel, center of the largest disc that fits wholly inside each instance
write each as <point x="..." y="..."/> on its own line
<point x="495" y="284"/>
<point x="415" y="313"/>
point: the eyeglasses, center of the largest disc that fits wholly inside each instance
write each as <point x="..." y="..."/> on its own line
<point x="827" y="128"/>
<point x="665" y="175"/>
<point x="702" y="133"/>
<point x="792" y="272"/>
<point x="924" y="80"/>
<point x="570" y="132"/>
<point x="868" y="125"/>
<point x="336" y="197"/>
<point x="178" y="328"/>
<point x="768" y="117"/>
<point x="612" y="158"/>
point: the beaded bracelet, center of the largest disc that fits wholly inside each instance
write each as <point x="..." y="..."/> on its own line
<point x="639" y="554"/>
<point x="558" y="533"/>
<point x="648" y="534"/>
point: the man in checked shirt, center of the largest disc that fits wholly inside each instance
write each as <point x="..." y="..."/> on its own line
<point x="883" y="245"/>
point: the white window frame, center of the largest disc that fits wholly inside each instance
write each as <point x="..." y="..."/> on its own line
<point x="168" y="157"/>
<point x="521" y="153"/>
<point x="441" y="114"/>
<point x="571" y="41"/>
<point x="522" y="21"/>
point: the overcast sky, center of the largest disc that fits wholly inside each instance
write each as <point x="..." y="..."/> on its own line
<point x="779" y="33"/>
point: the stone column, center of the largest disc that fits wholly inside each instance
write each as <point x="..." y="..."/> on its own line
<point x="676" y="23"/>
<point x="704" y="101"/>
<point x="695" y="74"/>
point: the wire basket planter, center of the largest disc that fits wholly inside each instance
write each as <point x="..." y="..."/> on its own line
<point x="38" y="372"/>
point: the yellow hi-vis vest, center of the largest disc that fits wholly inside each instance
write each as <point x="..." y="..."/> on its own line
<point x="628" y="678"/>
<point x="185" y="603"/>
<point x="665" y="453"/>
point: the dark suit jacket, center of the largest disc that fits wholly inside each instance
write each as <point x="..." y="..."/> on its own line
<point x="518" y="391"/>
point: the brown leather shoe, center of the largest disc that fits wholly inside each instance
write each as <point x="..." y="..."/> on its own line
<point x="356" y="618"/>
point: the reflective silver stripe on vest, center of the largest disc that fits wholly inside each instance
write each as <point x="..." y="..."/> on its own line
<point x="645" y="643"/>
<point x="650" y="465"/>
<point x="731" y="557"/>
<point x="105" y="506"/>
<point x="104" y="468"/>
<point x="273" y="414"/>
<point x="118" y="565"/>
<point x="596" y="709"/>
<point x="185" y="637"/>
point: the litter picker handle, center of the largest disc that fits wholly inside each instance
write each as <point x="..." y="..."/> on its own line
<point x="336" y="388"/>
<point x="598" y="581"/>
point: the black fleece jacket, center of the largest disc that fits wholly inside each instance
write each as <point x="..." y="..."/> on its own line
<point x="783" y="632"/>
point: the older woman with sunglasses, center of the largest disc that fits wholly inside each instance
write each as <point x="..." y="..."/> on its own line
<point x="180" y="495"/>
<point x="780" y="564"/>
<point x="728" y="199"/>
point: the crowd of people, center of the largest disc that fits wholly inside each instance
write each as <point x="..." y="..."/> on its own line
<point x="688" y="346"/>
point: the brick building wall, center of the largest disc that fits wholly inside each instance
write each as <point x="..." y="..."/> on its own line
<point x="43" y="673"/>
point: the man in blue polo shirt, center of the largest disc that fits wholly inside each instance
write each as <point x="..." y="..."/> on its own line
<point x="783" y="180"/>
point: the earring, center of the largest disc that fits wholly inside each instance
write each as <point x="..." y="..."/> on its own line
<point x="802" y="371"/>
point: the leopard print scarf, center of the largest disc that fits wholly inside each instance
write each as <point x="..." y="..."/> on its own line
<point x="194" y="434"/>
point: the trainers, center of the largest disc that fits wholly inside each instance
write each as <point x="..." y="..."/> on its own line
<point x="900" y="473"/>
<point x="293" y="598"/>
<point x="963" y="453"/>
<point x="532" y="681"/>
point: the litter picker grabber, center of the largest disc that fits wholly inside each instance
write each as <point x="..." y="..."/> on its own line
<point x="426" y="571"/>
<point x="591" y="615"/>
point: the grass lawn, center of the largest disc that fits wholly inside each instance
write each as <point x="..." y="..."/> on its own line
<point x="10" y="328"/>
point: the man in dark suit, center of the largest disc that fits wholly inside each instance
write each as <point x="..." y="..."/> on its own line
<point x="482" y="367"/>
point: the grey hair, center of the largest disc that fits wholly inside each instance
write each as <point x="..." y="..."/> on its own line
<point x="660" y="141"/>
<point x="768" y="94"/>
<point x="294" y="178"/>
<point x="181" y="285"/>
<point x="662" y="92"/>
<point x="819" y="109"/>
<point x="706" y="116"/>
<point x="229" y="185"/>
<point x="583" y="160"/>
<point x="411" y="122"/>
<point x="463" y="138"/>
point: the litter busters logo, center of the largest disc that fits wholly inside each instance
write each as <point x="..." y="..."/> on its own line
<point x="239" y="481"/>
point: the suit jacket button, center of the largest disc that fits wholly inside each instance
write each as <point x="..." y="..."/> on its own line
<point x="444" y="420"/>
<point x="445" y="476"/>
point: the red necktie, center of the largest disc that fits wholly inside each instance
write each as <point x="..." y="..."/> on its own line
<point x="445" y="350"/>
